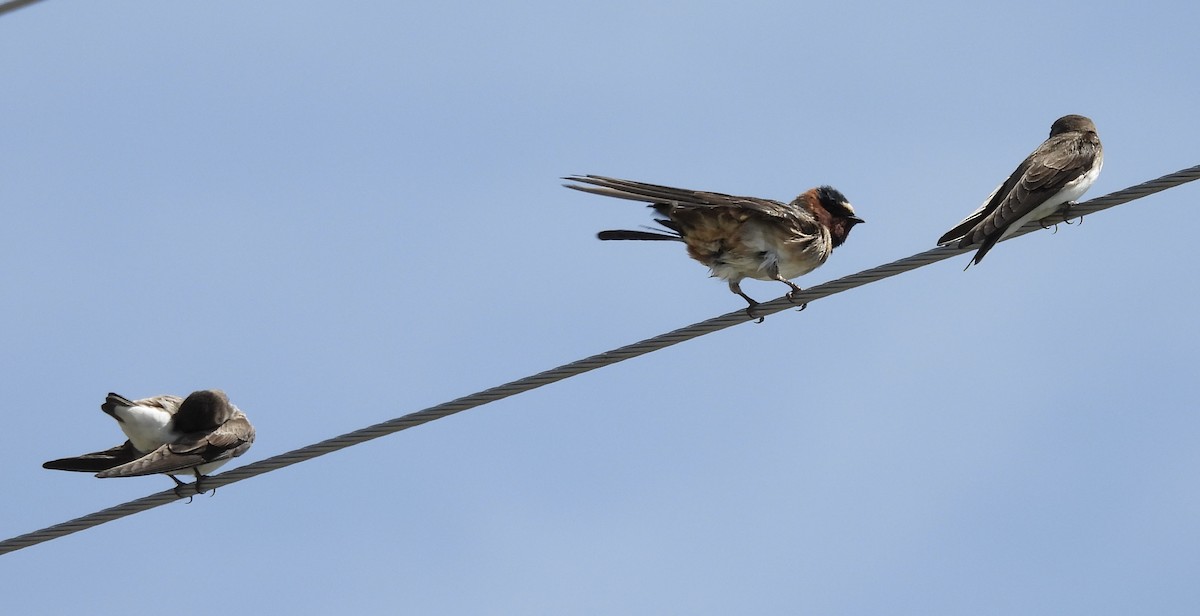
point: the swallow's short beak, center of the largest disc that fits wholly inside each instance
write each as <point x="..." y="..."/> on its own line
<point x="856" y="219"/>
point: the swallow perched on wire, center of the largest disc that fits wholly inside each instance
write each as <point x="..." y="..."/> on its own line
<point x="168" y="435"/>
<point x="738" y="237"/>
<point x="1057" y="172"/>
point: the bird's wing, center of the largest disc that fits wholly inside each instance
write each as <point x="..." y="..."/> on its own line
<point x="167" y="402"/>
<point x="96" y="461"/>
<point x="970" y="222"/>
<point x="229" y="440"/>
<point x="1047" y="171"/>
<point x="234" y="436"/>
<point x="1040" y="176"/>
<point x="674" y="197"/>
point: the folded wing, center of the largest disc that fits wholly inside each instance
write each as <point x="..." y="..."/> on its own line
<point x="229" y="440"/>
<point x="97" y="461"/>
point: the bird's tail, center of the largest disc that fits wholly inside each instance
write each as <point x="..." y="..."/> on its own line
<point x="113" y="401"/>
<point x="987" y="245"/>
<point x="624" y="234"/>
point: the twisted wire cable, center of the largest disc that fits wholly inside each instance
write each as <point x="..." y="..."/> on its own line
<point x="8" y="7"/>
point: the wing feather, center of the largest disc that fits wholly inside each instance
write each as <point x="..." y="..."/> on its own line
<point x="674" y="197"/>
<point x="229" y="440"/>
<point x="96" y="461"/>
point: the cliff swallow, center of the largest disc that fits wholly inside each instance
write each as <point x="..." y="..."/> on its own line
<point x="168" y="435"/>
<point x="1057" y="172"/>
<point x="738" y="237"/>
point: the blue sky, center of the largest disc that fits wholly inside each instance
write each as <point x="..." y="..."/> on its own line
<point x="343" y="213"/>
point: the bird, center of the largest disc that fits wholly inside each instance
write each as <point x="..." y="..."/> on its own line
<point x="1059" y="171"/>
<point x="737" y="237"/>
<point x="168" y="435"/>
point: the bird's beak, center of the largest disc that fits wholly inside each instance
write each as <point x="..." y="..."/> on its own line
<point x="856" y="219"/>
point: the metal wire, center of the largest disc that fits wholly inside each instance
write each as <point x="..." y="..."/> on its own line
<point x="573" y="369"/>
<point x="8" y="7"/>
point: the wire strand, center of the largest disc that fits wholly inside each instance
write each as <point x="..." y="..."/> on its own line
<point x="9" y="7"/>
<point x="576" y="368"/>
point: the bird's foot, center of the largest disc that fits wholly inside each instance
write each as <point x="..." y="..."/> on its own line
<point x="791" y="295"/>
<point x="750" y="312"/>
<point x="737" y="288"/>
<point x="1066" y="213"/>
<point x="202" y="490"/>
<point x="178" y="485"/>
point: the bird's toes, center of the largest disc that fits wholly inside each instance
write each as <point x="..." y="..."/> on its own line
<point x="791" y="295"/>
<point x="179" y="487"/>
<point x="1066" y="212"/>
<point x="200" y="489"/>
<point x="754" y="315"/>
<point x="179" y="494"/>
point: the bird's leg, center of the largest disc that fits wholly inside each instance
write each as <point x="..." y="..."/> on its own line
<point x="736" y="287"/>
<point x="180" y="484"/>
<point x="791" y="295"/>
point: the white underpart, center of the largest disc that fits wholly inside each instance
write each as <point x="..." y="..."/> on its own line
<point x="147" y="427"/>
<point x="802" y="263"/>
<point x="207" y="469"/>
<point x="791" y="263"/>
<point x="1070" y="192"/>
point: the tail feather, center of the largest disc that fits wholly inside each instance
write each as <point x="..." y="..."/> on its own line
<point x="987" y="245"/>
<point x="623" y="234"/>
<point x="113" y="401"/>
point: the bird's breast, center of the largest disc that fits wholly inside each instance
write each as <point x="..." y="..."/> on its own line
<point x="1074" y="189"/>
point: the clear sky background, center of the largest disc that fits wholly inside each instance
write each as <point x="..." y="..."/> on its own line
<point x="341" y="213"/>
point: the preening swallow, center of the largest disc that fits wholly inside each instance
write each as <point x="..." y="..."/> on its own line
<point x="1057" y="172"/>
<point x="168" y="435"/>
<point x="738" y="237"/>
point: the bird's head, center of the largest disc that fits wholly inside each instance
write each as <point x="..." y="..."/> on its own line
<point x="1072" y="124"/>
<point x="841" y="214"/>
<point x="203" y="410"/>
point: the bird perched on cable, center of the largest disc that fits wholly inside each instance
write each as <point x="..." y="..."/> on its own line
<point x="168" y="435"/>
<point x="1057" y="172"/>
<point x="738" y="237"/>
